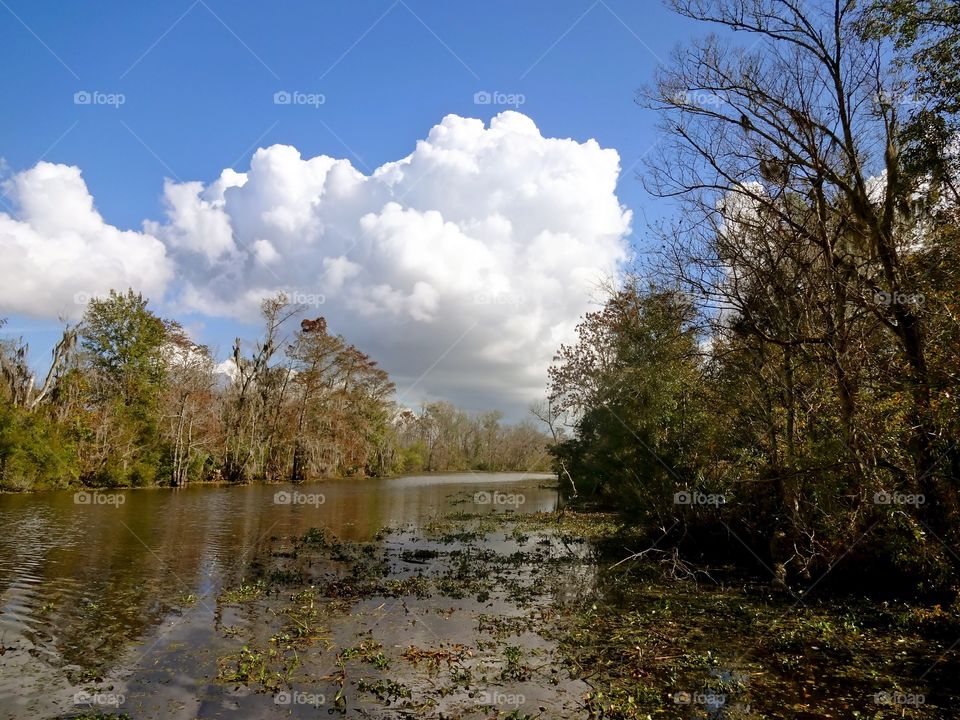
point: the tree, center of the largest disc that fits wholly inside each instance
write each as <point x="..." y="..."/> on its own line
<point x="139" y="402"/>
<point x="187" y="405"/>
<point x="800" y="139"/>
<point x="123" y="343"/>
<point x="631" y="383"/>
<point x="35" y="450"/>
<point x="19" y="382"/>
<point x="342" y="406"/>
<point x="249" y="398"/>
<point x="796" y="118"/>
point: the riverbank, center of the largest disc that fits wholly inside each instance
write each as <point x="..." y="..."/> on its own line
<point x="81" y="487"/>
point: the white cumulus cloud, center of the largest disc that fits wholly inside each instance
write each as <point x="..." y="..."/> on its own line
<point x="459" y="267"/>
<point x="56" y="250"/>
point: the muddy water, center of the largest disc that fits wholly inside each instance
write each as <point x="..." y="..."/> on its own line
<point x="111" y="603"/>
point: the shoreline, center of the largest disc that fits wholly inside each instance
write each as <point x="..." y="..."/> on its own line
<point x="268" y="483"/>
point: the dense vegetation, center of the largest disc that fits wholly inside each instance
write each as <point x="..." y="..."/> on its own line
<point x="785" y="376"/>
<point x="130" y="400"/>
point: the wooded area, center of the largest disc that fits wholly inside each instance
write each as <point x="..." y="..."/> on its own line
<point x="130" y="400"/>
<point x="784" y="377"/>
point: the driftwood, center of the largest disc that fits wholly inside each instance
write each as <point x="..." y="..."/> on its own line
<point x="674" y="567"/>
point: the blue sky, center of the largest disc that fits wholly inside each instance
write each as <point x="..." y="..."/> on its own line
<point x="198" y="81"/>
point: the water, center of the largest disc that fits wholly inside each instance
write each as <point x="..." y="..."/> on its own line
<point x="119" y="594"/>
<point x="435" y="597"/>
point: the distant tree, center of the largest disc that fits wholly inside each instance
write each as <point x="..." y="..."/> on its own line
<point x="255" y="390"/>
<point x="123" y="343"/>
<point x="187" y="405"/>
<point x="19" y="382"/>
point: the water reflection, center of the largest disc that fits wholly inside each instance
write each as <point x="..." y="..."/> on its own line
<point x="83" y="583"/>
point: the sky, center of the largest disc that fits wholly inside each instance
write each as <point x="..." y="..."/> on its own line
<point x="448" y="183"/>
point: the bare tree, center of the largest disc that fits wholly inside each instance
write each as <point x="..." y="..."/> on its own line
<point x="20" y="381"/>
<point x="801" y="133"/>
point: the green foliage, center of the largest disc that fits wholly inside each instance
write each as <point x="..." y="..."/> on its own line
<point x="35" y="453"/>
<point x="123" y="341"/>
<point x="138" y="403"/>
<point x="927" y="32"/>
<point x="411" y="458"/>
<point x="638" y="401"/>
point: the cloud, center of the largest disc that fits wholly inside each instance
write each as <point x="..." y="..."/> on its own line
<point x="57" y="251"/>
<point x="459" y="267"/>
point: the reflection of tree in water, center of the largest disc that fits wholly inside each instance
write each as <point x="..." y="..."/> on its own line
<point x="131" y="589"/>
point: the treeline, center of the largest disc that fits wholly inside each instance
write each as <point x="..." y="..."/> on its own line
<point x="783" y="383"/>
<point x="131" y="400"/>
<point x="442" y="438"/>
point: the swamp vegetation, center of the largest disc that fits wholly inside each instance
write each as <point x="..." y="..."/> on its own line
<point x="452" y="609"/>
<point x="754" y="507"/>
<point x="131" y="401"/>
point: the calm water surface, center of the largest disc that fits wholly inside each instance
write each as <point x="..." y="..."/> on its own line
<point x="134" y="582"/>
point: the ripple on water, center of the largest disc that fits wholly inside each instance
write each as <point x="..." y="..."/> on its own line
<point x="91" y="591"/>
